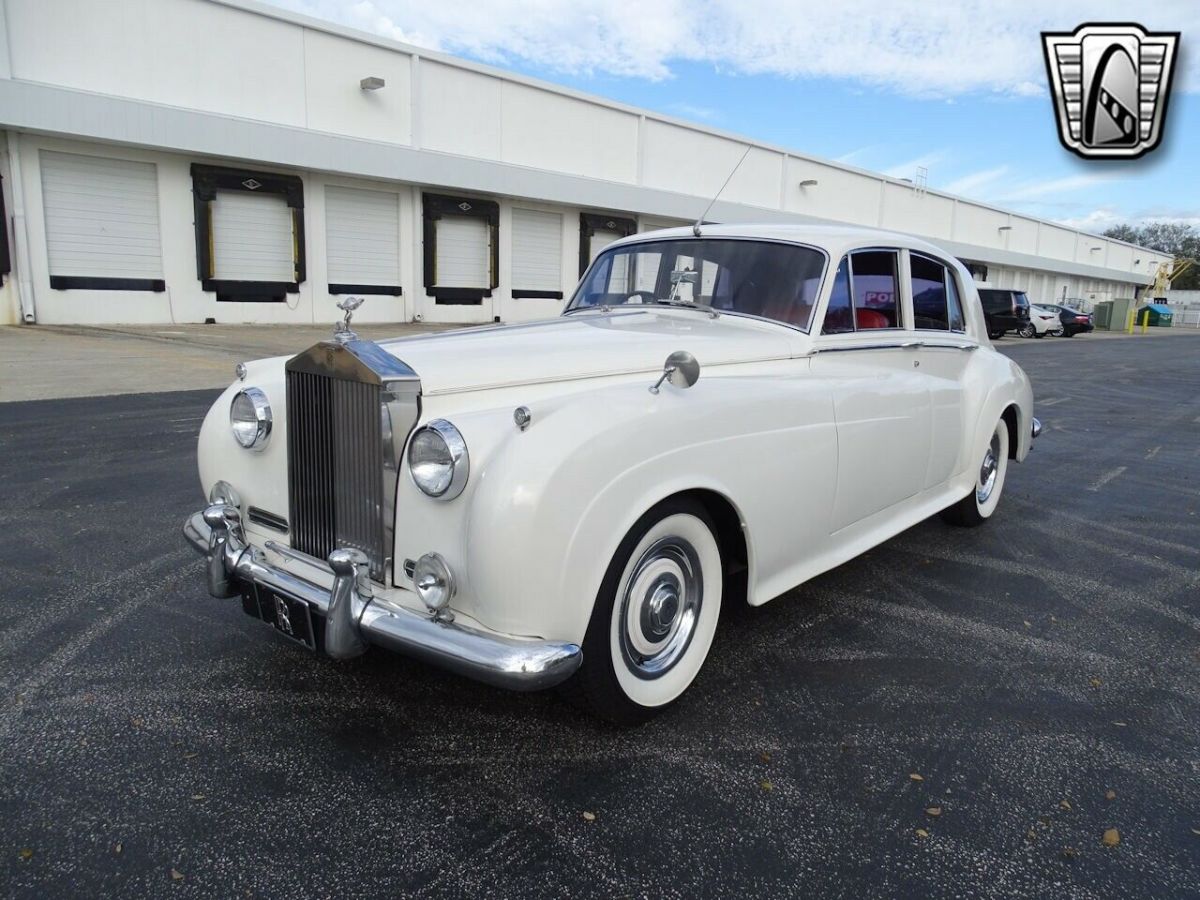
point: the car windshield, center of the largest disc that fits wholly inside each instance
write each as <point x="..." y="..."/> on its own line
<point x="760" y="278"/>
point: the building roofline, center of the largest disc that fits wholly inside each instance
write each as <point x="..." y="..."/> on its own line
<point x="83" y="115"/>
<point x="267" y="10"/>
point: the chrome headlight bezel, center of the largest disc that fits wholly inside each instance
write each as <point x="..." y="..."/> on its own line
<point x="262" y="418"/>
<point x="458" y="460"/>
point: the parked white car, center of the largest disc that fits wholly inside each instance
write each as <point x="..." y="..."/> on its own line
<point x="545" y="503"/>
<point x="1042" y="322"/>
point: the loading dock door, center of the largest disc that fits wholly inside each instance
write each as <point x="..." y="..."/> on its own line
<point x="463" y="252"/>
<point x="101" y="222"/>
<point x="362" y="235"/>
<point x="252" y="237"/>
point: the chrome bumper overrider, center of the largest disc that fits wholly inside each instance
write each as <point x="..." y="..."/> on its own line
<point x="355" y="618"/>
<point x="1037" y="426"/>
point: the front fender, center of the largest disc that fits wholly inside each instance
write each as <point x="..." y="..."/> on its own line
<point x="547" y="507"/>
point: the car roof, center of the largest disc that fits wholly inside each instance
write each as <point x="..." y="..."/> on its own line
<point x="835" y="239"/>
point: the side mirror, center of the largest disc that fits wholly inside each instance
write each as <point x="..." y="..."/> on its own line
<point x="681" y="369"/>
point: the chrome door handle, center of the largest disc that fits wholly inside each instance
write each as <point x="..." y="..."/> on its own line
<point x="912" y="345"/>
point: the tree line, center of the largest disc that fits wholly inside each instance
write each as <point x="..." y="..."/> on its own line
<point x="1181" y="241"/>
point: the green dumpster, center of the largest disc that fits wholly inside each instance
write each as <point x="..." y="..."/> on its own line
<point x="1155" y="314"/>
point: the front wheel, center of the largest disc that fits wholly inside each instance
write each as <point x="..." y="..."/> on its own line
<point x="1057" y="332"/>
<point x="978" y="506"/>
<point x="1027" y="330"/>
<point x="655" y="615"/>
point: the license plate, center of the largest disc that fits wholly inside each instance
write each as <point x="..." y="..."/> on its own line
<point x="289" y="616"/>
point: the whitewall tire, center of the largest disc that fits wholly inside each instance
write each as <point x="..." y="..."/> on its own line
<point x="990" y="470"/>
<point x="655" y="615"/>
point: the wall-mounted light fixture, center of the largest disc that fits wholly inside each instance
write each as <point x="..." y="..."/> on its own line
<point x="809" y="182"/>
<point x="372" y="83"/>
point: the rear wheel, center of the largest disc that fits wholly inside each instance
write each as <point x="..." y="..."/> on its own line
<point x="995" y="335"/>
<point x="978" y="506"/>
<point x="654" y="617"/>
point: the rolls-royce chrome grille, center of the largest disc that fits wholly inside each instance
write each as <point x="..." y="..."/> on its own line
<point x="346" y="428"/>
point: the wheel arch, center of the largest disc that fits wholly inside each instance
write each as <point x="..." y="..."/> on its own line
<point x="1012" y="416"/>
<point x="731" y="537"/>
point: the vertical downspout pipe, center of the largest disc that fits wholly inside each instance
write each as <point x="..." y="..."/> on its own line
<point x="20" y="232"/>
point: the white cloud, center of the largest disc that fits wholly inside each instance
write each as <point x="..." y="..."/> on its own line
<point x="1035" y="190"/>
<point x="692" y="111"/>
<point x="856" y="157"/>
<point x="975" y="181"/>
<point x="910" y="47"/>
<point x="1097" y="221"/>
<point x="908" y="168"/>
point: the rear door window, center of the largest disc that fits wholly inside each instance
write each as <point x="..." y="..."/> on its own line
<point x="875" y="289"/>
<point x="865" y="293"/>
<point x="936" y="302"/>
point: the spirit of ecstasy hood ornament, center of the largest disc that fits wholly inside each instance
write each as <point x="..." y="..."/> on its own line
<point x="342" y="331"/>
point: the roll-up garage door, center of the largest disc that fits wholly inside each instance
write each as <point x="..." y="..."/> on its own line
<point x="536" y="253"/>
<point x="362" y="233"/>
<point x="252" y="237"/>
<point x="463" y="253"/>
<point x="101" y="222"/>
<point x="602" y="239"/>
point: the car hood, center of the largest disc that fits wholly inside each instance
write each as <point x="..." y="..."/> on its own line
<point x="585" y="345"/>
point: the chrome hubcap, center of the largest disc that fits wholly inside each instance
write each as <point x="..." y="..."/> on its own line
<point x="987" y="471"/>
<point x="660" y="607"/>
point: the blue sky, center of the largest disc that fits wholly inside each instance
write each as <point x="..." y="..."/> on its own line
<point x="1002" y="149"/>
<point x="887" y="86"/>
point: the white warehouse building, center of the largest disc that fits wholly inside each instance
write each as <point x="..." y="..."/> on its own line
<point x="222" y="160"/>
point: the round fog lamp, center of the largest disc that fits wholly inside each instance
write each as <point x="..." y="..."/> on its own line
<point x="433" y="581"/>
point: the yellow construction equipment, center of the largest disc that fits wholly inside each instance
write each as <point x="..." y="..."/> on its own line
<point x="1168" y="272"/>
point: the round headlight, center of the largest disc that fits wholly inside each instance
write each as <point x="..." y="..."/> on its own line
<point x="438" y="460"/>
<point x="250" y="418"/>
<point x="433" y="581"/>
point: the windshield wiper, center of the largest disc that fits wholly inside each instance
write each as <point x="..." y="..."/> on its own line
<point x="689" y="304"/>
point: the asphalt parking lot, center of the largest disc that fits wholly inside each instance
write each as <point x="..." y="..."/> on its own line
<point x="158" y="742"/>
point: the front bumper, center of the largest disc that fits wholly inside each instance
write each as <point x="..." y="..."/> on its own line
<point x="355" y="618"/>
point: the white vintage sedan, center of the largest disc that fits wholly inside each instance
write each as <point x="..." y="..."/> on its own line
<point x="551" y="503"/>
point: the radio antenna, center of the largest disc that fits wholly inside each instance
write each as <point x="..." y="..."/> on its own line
<point x="700" y="221"/>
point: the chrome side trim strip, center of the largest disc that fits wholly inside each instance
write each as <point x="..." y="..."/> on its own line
<point x="355" y="618"/>
<point x="894" y="345"/>
<point x="935" y="346"/>
<point x="897" y="345"/>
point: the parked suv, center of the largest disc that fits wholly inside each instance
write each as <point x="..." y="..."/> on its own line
<point x="1004" y="311"/>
